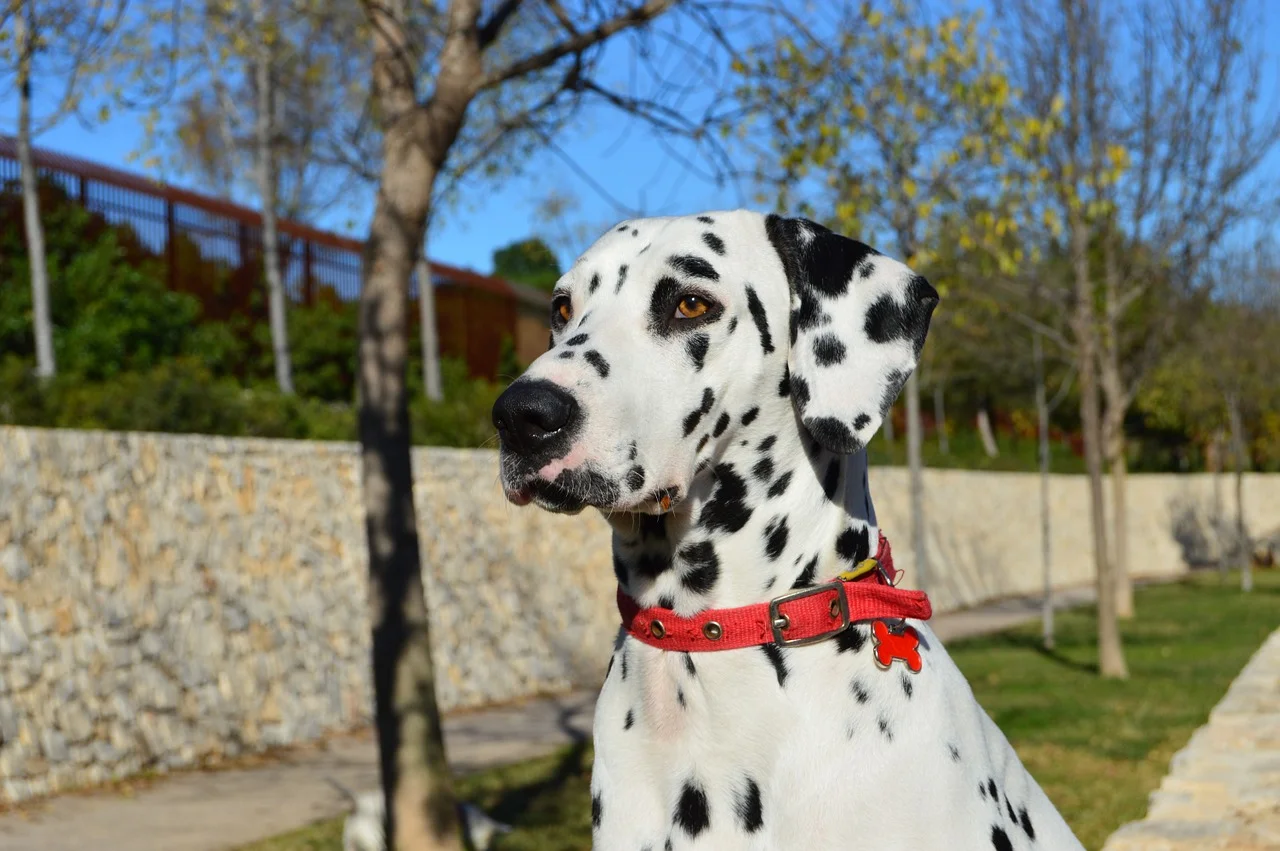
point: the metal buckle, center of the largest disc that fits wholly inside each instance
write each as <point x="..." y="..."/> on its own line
<point x="776" y="616"/>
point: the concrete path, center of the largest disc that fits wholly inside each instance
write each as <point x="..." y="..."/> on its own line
<point x="1222" y="792"/>
<point x="217" y="810"/>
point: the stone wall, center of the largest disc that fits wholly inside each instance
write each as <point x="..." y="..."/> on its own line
<point x="169" y="600"/>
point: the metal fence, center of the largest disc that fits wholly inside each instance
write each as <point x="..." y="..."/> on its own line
<point x="212" y="249"/>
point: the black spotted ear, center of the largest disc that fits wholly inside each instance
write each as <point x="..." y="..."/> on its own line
<point x="858" y="322"/>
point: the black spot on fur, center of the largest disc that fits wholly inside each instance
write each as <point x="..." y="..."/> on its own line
<point x="824" y="262"/>
<point x="828" y="350"/>
<point x="767" y="443"/>
<point x="774" y="654"/>
<point x="831" y="481"/>
<point x="647" y="246"/>
<point x="721" y="425"/>
<point x="866" y="269"/>
<point x="982" y="791"/>
<point x="805" y="579"/>
<point x="566" y="354"/>
<point x="694" y="267"/>
<point x="706" y="567"/>
<point x="661" y="302"/>
<point x="577" y="339"/>
<point x="991" y="788"/>
<point x="622" y="228"/>
<point x="1025" y="820"/>
<point x="955" y="753"/>
<point x="883" y="724"/>
<point x="860" y="692"/>
<point x="727" y="510"/>
<point x="666" y="601"/>
<point x="702" y="465"/>
<point x="633" y="451"/>
<point x="706" y="220"/>
<point x="907" y="687"/>
<point x="775" y="537"/>
<point x="652" y="565"/>
<point x="631" y="719"/>
<point x="808" y="315"/>
<point x="784" y="386"/>
<point x="688" y="665"/>
<point x="779" y="487"/>
<point x="624" y="664"/>
<point x="597" y="811"/>
<point x="750" y="416"/>
<point x="800" y="392"/>
<point x="1013" y="815"/>
<point x="749" y="809"/>
<point x="635" y="478"/>
<point x="852" y="638"/>
<point x="702" y="441"/>
<point x="833" y="434"/>
<point x="622" y="278"/>
<point x="762" y="322"/>
<point x="697" y="346"/>
<point x="888" y="321"/>
<point x="854" y="544"/>
<point x="597" y="360"/>
<point x="551" y="342"/>
<point x="692" y="813"/>
<point x="861" y="421"/>
<point x="1000" y="839"/>
<point x="595" y="283"/>
<point x="691" y="421"/>
<point x="763" y="470"/>
<point x="680" y="698"/>
<point x="714" y="242"/>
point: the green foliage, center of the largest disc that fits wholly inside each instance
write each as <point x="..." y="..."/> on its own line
<point x="529" y="261"/>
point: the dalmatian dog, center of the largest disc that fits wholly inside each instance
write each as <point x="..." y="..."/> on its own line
<point x="710" y="387"/>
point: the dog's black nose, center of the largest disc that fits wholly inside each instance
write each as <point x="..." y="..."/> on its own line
<point x="535" y="418"/>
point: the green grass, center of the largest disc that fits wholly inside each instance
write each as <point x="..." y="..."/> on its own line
<point x="1097" y="747"/>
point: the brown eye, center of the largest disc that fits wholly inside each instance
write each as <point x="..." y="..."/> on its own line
<point x="691" y="307"/>
<point x="561" y="310"/>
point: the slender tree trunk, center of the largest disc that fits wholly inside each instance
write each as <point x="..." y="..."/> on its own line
<point x="887" y="428"/>
<point x="42" y="321"/>
<point x="1244" y="547"/>
<point x="1110" y="652"/>
<point x="432" y="384"/>
<point x="984" y="431"/>
<point x="264" y="131"/>
<point x="1113" y="427"/>
<point x="1046" y="542"/>
<point x="915" y="466"/>
<point x="421" y="807"/>
<point x="1217" y="521"/>
<point x="940" y="417"/>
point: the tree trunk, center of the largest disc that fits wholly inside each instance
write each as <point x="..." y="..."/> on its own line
<point x="42" y="321"/>
<point x="1046" y="542"/>
<point x="984" y="431"/>
<point x="1244" y="547"/>
<point x="1113" y="390"/>
<point x="432" y="384"/>
<point x="1110" y="652"/>
<point x="1217" y="521"/>
<point x="915" y="466"/>
<point x="940" y="417"/>
<point x="264" y="132"/>
<point x="887" y="427"/>
<point x="421" y="808"/>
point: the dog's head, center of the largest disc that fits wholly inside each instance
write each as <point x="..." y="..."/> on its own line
<point x="669" y="335"/>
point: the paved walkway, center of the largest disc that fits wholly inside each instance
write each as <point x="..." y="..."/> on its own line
<point x="218" y="810"/>
<point x="1223" y="790"/>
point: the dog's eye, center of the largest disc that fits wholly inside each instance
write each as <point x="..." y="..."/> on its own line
<point x="691" y="307"/>
<point x="561" y="310"/>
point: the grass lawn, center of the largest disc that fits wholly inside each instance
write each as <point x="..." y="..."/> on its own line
<point x="1098" y="748"/>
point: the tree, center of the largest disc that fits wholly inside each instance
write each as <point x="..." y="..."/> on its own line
<point x="1060" y="55"/>
<point x="65" y="43"/>
<point x="879" y="122"/>
<point x="533" y="64"/>
<point x="1194" y="143"/>
<point x="528" y="261"/>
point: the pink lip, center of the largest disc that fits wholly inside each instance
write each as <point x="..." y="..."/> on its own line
<point x="558" y="466"/>
<point x="520" y="496"/>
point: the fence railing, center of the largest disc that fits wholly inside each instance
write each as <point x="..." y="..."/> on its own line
<point x="212" y="248"/>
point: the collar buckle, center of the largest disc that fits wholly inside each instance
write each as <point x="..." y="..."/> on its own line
<point x="779" y="622"/>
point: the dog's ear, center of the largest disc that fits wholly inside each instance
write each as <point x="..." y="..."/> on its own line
<point x="858" y="322"/>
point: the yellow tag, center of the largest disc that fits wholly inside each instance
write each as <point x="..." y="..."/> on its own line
<point x="864" y="567"/>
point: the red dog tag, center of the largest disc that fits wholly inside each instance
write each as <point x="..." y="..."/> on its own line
<point x="892" y="645"/>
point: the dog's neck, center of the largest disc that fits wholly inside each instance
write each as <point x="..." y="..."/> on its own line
<point x="771" y="513"/>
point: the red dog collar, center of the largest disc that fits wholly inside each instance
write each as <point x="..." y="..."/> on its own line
<point x="803" y="616"/>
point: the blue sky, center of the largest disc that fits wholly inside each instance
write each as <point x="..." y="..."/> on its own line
<point x="618" y="154"/>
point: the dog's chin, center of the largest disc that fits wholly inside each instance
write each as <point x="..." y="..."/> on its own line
<point x="546" y="495"/>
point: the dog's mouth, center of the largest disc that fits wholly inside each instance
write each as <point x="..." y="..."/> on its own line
<point x="546" y="495"/>
<point x="570" y="491"/>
